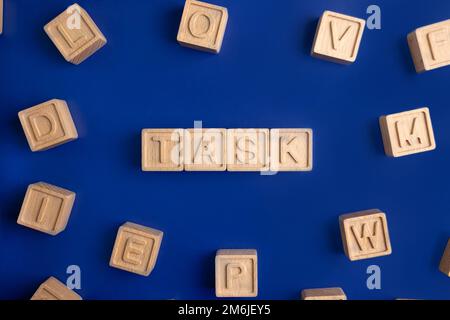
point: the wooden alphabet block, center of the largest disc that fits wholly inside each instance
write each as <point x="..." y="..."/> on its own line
<point x="290" y="150"/>
<point x="202" y="26"/>
<point x="162" y="149"/>
<point x="136" y="248"/>
<point x="53" y="289"/>
<point x="444" y="266"/>
<point x="324" y="294"/>
<point x="1" y="16"/>
<point x="205" y="149"/>
<point x="248" y="149"/>
<point x="75" y="34"/>
<point x="46" y="208"/>
<point x="407" y="132"/>
<point x="236" y="273"/>
<point x="430" y="46"/>
<point x="338" y="37"/>
<point x="48" y="125"/>
<point x="365" y="234"/>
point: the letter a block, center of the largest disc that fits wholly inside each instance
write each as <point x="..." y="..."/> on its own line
<point x="444" y="266"/>
<point x="290" y="150"/>
<point x="48" y="125"/>
<point x="236" y="273"/>
<point x="53" y="289"/>
<point x="248" y="149"/>
<point x="46" y="208"/>
<point x="205" y="149"/>
<point x="407" y="132"/>
<point x="162" y="149"/>
<point x="324" y="294"/>
<point x="136" y="248"/>
<point x="430" y="46"/>
<point x="75" y="34"/>
<point x="202" y="26"/>
<point x="338" y="37"/>
<point x="365" y="234"/>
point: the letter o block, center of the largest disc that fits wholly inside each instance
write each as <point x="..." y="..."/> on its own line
<point x="53" y="289"/>
<point x="48" y="125"/>
<point x="236" y="273"/>
<point x="202" y="26"/>
<point x="136" y="248"/>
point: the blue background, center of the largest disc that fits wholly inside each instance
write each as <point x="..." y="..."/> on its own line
<point x="264" y="77"/>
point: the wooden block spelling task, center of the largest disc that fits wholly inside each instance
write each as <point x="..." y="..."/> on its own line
<point x="365" y="234"/>
<point x="407" y="132"/>
<point x="323" y="294"/>
<point x="430" y="46"/>
<point x="46" y="208"/>
<point x="338" y="37"/>
<point x="48" y="125"/>
<point x="53" y="289"/>
<point x="136" y="248"/>
<point x="202" y="26"/>
<point x="444" y="266"/>
<point x="236" y="273"/>
<point x="75" y="34"/>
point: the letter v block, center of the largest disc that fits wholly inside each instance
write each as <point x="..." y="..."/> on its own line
<point x="48" y="125"/>
<point x="407" y="132"/>
<point x="338" y="37"/>
<point x="365" y="234"/>
<point x="53" y="289"/>
<point x="136" y="248"/>
<point x="236" y="273"/>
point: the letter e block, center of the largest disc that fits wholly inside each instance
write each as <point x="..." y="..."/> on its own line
<point x="75" y="34"/>
<point x="136" y="248"/>
<point x="205" y="149"/>
<point x="324" y="294"/>
<point x="444" y="266"/>
<point x="46" y="208"/>
<point x="430" y="46"/>
<point x="291" y="150"/>
<point x="48" y="125"/>
<point x="162" y="150"/>
<point x="407" y="132"/>
<point x="202" y="26"/>
<point x="338" y="37"/>
<point x="248" y="149"/>
<point x="365" y="234"/>
<point x="53" y="289"/>
<point x="236" y="273"/>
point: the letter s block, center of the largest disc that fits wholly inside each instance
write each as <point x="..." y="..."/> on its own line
<point x="338" y="37"/>
<point x="236" y="273"/>
<point x="365" y="234"/>
<point x="48" y="125"/>
<point x="46" y="208"/>
<point x="75" y="34"/>
<point x="53" y="289"/>
<point x="248" y="149"/>
<point x="136" y="248"/>
<point x="202" y="26"/>
<point x="430" y="46"/>
<point x="407" y="132"/>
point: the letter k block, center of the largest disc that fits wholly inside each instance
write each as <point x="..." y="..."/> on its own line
<point x="291" y="150"/>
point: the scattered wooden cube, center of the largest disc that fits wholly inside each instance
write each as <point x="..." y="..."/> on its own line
<point x="162" y="149"/>
<point x="205" y="149"/>
<point x="444" y="266"/>
<point x="324" y="294"/>
<point x="75" y="34"/>
<point x="136" y="248"/>
<point x="46" y="208"/>
<point x="338" y="37"/>
<point x="1" y="16"/>
<point x="202" y="26"/>
<point x="365" y="234"/>
<point x="430" y="46"/>
<point x="291" y="150"/>
<point x="48" y="125"/>
<point x="248" y="149"/>
<point x="407" y="132"/>
<point x="53" y="289"/>
<point x="236" y="273"/>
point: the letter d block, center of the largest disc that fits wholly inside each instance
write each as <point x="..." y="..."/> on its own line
<point x="48" y="125"/>
<point x="407" y="132"/>
<point x="75" y="34"/>
<point x="53" y="289"/>
<point x="46" y="208"/>
<point x="430" y="46"/>
<point x="365" y="234"/>
<point x="338" y="37"/>
<point x="444" y="266"/>
<point x="236" y="273"/>
<point x="136" y="248"/>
